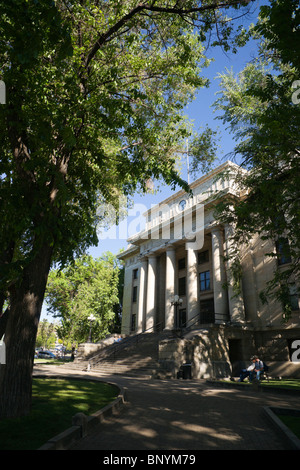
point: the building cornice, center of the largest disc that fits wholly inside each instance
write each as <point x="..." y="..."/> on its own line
<point x="137" y="239"/>
<point x="198" y="182"/>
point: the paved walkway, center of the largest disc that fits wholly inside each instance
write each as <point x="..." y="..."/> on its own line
<point x="184" y="415"/>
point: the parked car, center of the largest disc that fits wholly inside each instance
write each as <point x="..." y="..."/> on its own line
<point x="46" y="355"/>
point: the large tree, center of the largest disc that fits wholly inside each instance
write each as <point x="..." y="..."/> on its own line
<point x="261" y="106"/>
<point x="87" y="287"/>
<point x="94" y="107"/>
<point x="46" y="335"/>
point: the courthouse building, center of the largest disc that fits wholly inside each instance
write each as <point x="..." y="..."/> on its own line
<point x="178" y="278"/>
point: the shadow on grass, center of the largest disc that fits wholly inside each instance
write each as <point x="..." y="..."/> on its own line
<point x="54" y="402"/>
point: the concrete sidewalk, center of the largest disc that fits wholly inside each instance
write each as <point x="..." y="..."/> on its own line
<point x="183" y="415"/>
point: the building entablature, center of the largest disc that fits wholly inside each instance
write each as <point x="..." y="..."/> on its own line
<point x="179" y="218"/>
<point x="204" y="190"/>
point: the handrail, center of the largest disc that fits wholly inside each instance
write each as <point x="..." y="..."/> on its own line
<point x="134" y="339"/>
<point x="188" y="324"/>
<point x="194" y="320"/>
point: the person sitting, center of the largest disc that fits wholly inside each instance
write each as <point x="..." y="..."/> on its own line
<point x="246" y="373"/>
<point x="258" y="368"/>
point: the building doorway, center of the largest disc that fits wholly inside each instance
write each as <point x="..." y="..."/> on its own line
<point x="235" y="356"/>
<point x="181" y="318"/>
<point x="207" y="311"/>
<point x="133" y="322"/>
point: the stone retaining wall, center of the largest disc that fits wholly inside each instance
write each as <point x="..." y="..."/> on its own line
<point x="208" y="352"/>
<point x="83" y="425"/>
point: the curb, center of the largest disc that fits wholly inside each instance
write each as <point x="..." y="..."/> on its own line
<point x="289" y="436"/>
<point x="254" y="387"/>
<point x="83" y="425"/>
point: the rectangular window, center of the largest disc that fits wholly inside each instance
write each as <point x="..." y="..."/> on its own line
<point x="207" y="311"/>
<point x="203" y="257"/>
<point x="182" y="318"/>
<point x="134" y="294"/>
<point x="181" y="263"/>
<point x="283" y="251"/>
<point x="135" y="273"/>
<point x="205" y="281"/>
<point x="181" y="286"/>
<point x="294" y="299"/>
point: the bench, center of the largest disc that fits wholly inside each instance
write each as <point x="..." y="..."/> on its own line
<point x="264" y="375"/>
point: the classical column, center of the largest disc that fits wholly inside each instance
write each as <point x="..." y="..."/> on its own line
<point x="170" y="288"/>
<point x="235" y="298"/>
<point x="219" y="276"/>
<point x="192" y="302"/>
<point x="142" y="295"/>
<point x="151" y="292"/>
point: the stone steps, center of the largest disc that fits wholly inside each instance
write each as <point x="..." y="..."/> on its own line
<point x="131" y="358"/>
<point x="137" y="359"/>
<point x="125" y="367"/>
<point x="137" y="368"/>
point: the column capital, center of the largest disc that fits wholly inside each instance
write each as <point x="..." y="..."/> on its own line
<point x="170" y="251"/>
<point x="217" y="228"/>
<point x="229" y="226"/>
<point x="170" y="248"/>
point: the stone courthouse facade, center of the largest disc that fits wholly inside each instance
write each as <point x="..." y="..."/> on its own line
<point x="177" y="279"/>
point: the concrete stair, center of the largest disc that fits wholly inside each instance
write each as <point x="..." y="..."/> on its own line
<point x="135" y="365"/>
<point x="136" y="355"/>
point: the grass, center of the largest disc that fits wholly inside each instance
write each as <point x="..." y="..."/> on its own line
<point x="292" y="422"/>
<point x="55" y="362"/>
<point x="54" y="402"/>
<point x="288" y="384"/>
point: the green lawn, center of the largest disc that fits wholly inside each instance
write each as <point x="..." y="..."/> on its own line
<point x="292" y="422"/>
<point x="56" y="361"/>
<point x="289" y="384"/>
<point x="54" y="403"/>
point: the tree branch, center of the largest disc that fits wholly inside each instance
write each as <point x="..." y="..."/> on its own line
<point x="153" y="8"/>
<point x="115" y="28"/>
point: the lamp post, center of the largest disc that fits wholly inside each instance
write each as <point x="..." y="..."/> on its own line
<point x="91" y="319"/>
<point x="176" y="302"/>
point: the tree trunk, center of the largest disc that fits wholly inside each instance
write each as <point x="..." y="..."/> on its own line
<point x="20" y="336"/>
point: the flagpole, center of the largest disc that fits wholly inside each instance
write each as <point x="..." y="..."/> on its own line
<point x="187" y="160"/>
